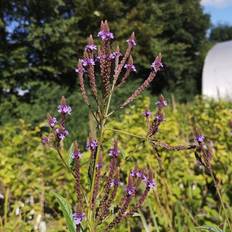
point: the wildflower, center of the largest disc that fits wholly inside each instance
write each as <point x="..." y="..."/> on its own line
<point x="130" y="190"/>
<point x="45" y="140"/>
<point x="61" y="133"/>
<point x="131" y="41"/>
<point x="200" y="138"/>
<point x="52" y="121"/>
<point x="157" y="64"/>
<point x="78" y="218"/>
<point x="90" y="47"/>
<point x="159" y="117"/>
<point x="130" y="67"/>
<point x="151" y="184"/>
<point x="87" y="61"/>
<point x="63" y="108"/>
<point x="139" y="174"/>
<point x="114" y="182"/>
<point x="133" y="173"/>
<point x="147" y="113"/>
<point x="161" y="103"/>
<point x="113" y="55"/>
<point x="99" y="165"/>
<point x="91" y="144"/>
<point x="105" y="33"/>
<point x="114" y="152"/>
<point x="144" y="178"/>
<point x="76" y="154"/>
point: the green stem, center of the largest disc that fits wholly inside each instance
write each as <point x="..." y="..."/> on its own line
<point x="126" y="133"/>
<point x="102" y="124"/>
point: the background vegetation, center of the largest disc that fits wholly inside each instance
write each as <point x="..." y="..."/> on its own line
<point x="185" y="197"/>
<point x="40" y="42"/>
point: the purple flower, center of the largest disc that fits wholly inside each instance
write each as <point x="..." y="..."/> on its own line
<point x="91" y="144"/>
<point x="78" y="218"/>
<point x="45" y="140"/>
<point x="147" y="113"/>
<point x="87" y="61"/>
<point x="64" y="109"/>
<point x="144" y="178"/>
<point x="161" y="103"/>
<point x="76" y="155"/>
<point x="114" y="55"/>
<point x="130" y="190"/>
<point x="90" y="47"/>
<point x="114" y="182"/>
<point x="61" y="133"/>
<point x="200" y="138"/>
<point x="105" y="35"/>
<point x="133" y="173"/>
<point x="157" y="64"/>
<point x="130" y="67"/>
<point x="159" y="117"/>
<point x="52" y="121"/>
<point x="131" y="42"/>
<point x="99" y="165"/>
<point x="139" y="174"/>
<point x="114" y="152"/>
<point x="151" y="184"/>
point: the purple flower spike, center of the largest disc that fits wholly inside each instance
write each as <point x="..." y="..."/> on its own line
<point x="78" y="218"/>
<point x="91" y="144"/>
<point x="159" y="117"/>
<point x="157" y="64"/>
<point x="105" y="35"/>
<point x="64" y="109"/>
<point x="131" y="42"/>
<point x="114" y="182"/>
<point x="87" y="61"/>
<point x="200" y="138"/>
<point x="151" y="184"/>
<point x="45" y="140"/>
<point x="114" y="55"/>
<point x="90" y="47"/>
<point x="133" y="173"/>
<point x="61" y="133"/>
<point x="139" y="174"/>
<point x="144" y="178"/>
<point x="130" y="67"/>
<point x="52" y="121"/>
<point x="161" y="103"/>
<point x="114" y="152"/>
<point x="130" y="190"/>
<point x="147" y="113"/>
<point x="76" y="155"/>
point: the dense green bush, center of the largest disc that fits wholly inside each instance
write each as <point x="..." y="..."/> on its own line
<point x="185" y="197"/>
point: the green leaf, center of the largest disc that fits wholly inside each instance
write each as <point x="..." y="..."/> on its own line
<point x="67" y="212"/>
<point x="210" y="228"/>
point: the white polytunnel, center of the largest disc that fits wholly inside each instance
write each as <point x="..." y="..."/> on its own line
<point x="217" y="72"/>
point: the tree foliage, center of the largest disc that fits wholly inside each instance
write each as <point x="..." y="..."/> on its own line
<point x="221" y="33"/>
<point x="41" y="41"/>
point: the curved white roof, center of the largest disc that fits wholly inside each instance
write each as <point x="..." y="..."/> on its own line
<point x="217" y="71"/>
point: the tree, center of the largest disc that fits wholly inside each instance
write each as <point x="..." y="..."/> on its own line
<point x="221" y="32"/>
<point x="42" y="40"/>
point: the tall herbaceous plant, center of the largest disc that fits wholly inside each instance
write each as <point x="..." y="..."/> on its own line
<point x="109" y="197"/>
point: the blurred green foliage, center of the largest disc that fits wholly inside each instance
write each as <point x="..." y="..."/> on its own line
<point x="185" y="197"/>
<point x="41" y="42"/>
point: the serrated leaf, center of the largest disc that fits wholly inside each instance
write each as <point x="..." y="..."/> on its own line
<point x="67" y="212"/>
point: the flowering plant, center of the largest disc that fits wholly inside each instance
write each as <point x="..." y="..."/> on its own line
<point x="94" y="209"/>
